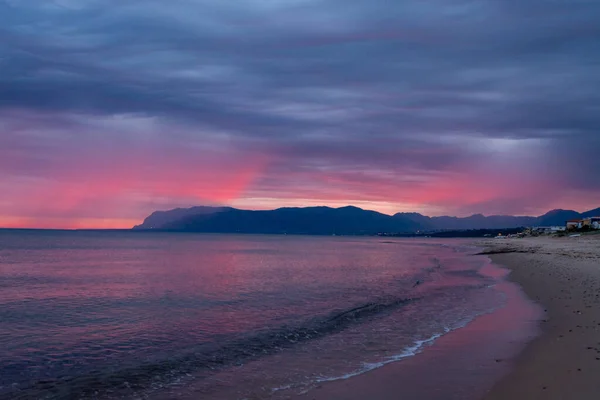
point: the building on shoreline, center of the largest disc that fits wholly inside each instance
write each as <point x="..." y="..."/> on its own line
<point x="585" y="223"/>
<point x="573" y="224"/>
<point x="549" y="229"/>
<point x="592" y="222"/>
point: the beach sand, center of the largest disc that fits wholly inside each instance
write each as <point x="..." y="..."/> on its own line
<point x="488" y="358"/>
<point x="563" y="275"/>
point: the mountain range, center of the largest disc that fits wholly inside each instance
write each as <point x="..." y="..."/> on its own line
<point x="335" y="221"/>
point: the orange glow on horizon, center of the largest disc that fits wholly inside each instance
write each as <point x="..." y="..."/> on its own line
<point x="125" y="190"/>
<point x="64" y="223"/>
<point x="120" y="191"/>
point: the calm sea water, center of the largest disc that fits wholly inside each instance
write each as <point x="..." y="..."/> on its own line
<point x="123" y="315"/>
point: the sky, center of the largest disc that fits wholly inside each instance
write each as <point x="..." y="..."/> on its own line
<point x="111" y="109"/>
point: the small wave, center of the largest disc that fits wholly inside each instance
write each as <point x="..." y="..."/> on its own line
<point x="210" y="358"/>
<point x="284" y="387"/>
<point x="364" y="311"/>
<point x="410" y="351"/>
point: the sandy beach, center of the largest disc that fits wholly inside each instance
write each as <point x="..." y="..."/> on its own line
<point x="561" y="360"/>
<point x="563" y="275"/>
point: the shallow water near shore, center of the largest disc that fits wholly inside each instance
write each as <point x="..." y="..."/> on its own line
<point x="121" y="315"/>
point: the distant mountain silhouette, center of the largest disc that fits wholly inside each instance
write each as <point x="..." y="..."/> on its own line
<point x="592" y="213"/>
<point x="159" y="219"/>
<point x="476" y="221"/>
<point x="335" y="221"/>
<point x="310" y="221"/>
<point x="558" y="217"/>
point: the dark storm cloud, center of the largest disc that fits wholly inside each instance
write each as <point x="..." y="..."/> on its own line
<point x="385" y="86"/>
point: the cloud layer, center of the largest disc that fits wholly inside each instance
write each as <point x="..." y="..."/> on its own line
<point x="110" y="109"/>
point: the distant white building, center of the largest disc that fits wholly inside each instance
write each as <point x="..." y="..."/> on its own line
<point x="550" y="229"/>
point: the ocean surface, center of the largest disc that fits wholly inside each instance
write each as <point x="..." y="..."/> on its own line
<point x="163" y="315"/>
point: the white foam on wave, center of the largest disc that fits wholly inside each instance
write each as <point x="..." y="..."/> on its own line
<point x="279" y="388"/>
<point x="410" y="351"/>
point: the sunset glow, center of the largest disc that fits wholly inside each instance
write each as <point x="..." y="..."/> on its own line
<point x="267" y="104"/>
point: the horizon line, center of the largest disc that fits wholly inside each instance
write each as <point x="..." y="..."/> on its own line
<point x="280" y="208"/>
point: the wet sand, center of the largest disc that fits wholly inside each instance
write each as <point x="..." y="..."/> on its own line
<point x="563" y="275"/>
<point x="489" y="357"/>
<point x="461" y="365"/>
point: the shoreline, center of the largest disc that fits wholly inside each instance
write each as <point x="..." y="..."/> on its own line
<point x="463" y="364"/>
<point x="562" y="275"/>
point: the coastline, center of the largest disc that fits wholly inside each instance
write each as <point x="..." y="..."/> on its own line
<point x="543" y="342"/>
<point x="561" y="361"/>
<point x="563" y="275"/>
<point x="464" y="364"/>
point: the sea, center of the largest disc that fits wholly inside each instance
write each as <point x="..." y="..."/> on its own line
<point x="148" y="315"/>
